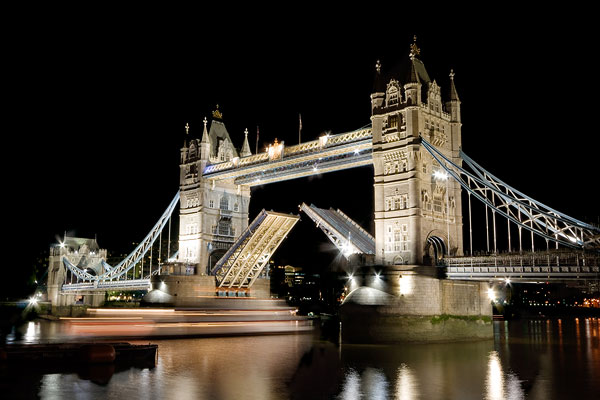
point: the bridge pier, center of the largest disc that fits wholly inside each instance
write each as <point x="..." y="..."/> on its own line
<point x="412" y="304"/>
<point x="201" y="290"/>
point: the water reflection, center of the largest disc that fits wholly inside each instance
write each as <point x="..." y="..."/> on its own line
<point x="533" y="359"/>
<point x="351" y="387"/>
<point x="406" y="384"/>
<point x="495" y="380"/>
<point x="500" y="385"/>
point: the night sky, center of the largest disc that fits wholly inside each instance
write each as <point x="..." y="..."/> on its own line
<point x="100" y="102"/>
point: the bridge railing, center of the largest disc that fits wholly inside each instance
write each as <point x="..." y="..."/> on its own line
<point x="528" y="259"/>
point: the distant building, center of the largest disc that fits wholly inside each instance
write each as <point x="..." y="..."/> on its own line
<point x="293" y="276"/>
<point x="81" y="252"/>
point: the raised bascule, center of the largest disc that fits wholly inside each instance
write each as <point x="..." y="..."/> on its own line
<point x="411" y="270"/>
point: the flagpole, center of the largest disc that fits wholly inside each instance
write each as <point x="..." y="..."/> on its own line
<point x="256" y="152"/>
<point x="300" y="129"/>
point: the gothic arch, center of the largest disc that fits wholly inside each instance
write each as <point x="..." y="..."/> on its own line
<point x="435" y="248"/>
<point x="399" y="260"/>
<point x="213" y="258"/>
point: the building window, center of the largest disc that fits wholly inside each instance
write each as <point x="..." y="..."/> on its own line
<point x="437" y="204"/>
<point x="224" y="204"/>
<point x="211" y="203"/>
<point x="236" y="207"/>
<point x="224" y="228"/>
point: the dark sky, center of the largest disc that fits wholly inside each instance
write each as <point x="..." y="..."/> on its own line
<point x="99" y="102"/>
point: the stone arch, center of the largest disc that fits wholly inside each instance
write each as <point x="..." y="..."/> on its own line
<point x="399" y="260"/>
<point x="436" y="247"/>
<point x="213" y="258"/>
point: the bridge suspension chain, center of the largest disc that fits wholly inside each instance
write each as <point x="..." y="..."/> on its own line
<point x="128" y="263"/>
<point x="517" y="207"/>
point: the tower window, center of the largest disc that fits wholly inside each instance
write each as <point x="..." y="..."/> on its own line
<point x="224" y="204"/>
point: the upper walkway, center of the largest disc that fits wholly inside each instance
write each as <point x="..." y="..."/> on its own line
<point x="280" y="162"/>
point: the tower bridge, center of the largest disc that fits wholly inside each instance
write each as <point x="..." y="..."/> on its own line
<point x="421" y="178"/>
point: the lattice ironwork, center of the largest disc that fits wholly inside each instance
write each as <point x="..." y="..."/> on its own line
<point x="245" y="260"/>
<point x="349" y="237"/>
<point x="517" y="207"/>
<point x="114" y="276"/>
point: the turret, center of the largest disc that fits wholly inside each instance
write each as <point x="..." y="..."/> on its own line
<point x="377" y="100"/>
<point x="378" y="94"/>
<point x="205" y="144"/>
<point x="453" y="104"/>
<point x="412" y="87"/>
<point x="246" y="146"/>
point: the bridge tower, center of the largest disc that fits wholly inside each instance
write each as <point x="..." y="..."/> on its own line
<point x="213" y="213"/>
<point x="418" y="217"/>
<point x="85" y="254"/>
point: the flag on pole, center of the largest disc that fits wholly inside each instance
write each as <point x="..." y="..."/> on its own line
<point x="300" y="128"/>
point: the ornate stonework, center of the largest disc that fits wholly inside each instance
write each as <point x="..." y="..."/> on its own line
<point x="411" y="204"/>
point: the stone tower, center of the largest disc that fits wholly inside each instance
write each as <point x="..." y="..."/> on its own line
<point x="212" y="213"/>
<point x="418" y="216"/>
<point x="86" y="255"/>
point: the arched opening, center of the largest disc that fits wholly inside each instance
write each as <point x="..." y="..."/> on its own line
<point x="213" y="258"/>
<point x="435" y="249"/>
<point x="398" y="260"/>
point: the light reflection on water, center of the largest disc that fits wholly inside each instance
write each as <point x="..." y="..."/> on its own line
<point x="533" y="359"/>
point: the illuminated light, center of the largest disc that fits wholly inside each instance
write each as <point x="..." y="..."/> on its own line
<point x="357" y="151"/>
<point x="62" y="245"/>
<point x="347" y="249"/>
<point x="323" y="140"/>
<point x="491" y="294"/>
<point x="377" y="275"/>
<point x="315" y="169"/>
<point x="351" y="277"/>
<point x="440" y="175"/>
<point x="507" y="280"/>
<point x="405" y="284"/>
<point x="33" y="301"/>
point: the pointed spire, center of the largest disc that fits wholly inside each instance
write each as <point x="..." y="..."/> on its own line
<point x="205" y="132"/>
<point x="246" y="146"/>
<point x="413" y="75"/>
<point x="378" y="84"/>
<point x="453" y="92"/>
<point x="205" y="143"/>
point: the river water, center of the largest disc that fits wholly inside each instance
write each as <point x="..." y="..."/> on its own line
<point x="528" y="359"/>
